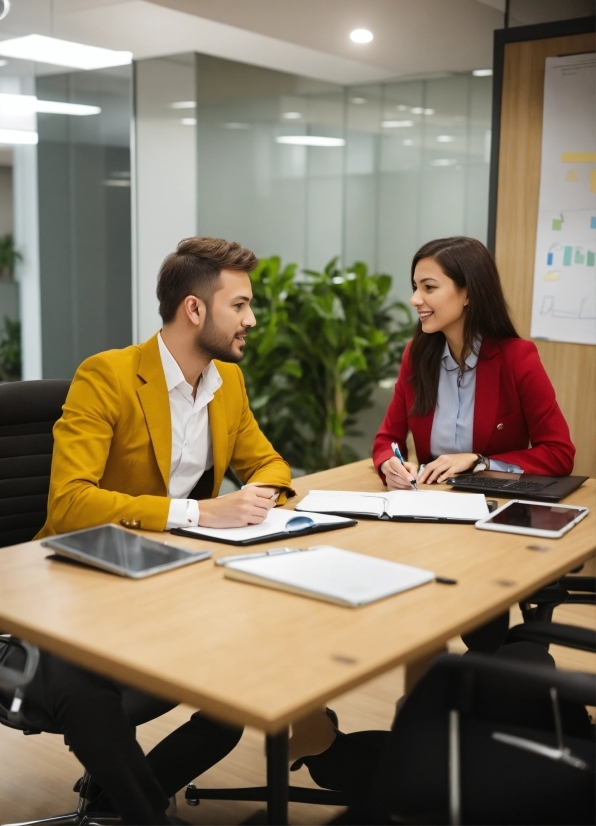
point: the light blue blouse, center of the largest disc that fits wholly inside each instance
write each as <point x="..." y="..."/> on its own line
<point x="453" y="423"/>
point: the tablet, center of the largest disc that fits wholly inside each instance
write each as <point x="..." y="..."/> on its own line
<point x="122" y="552"/>
<point x="533" y="518"/>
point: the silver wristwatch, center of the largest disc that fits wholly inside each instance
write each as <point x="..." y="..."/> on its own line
<point x="481" y="463"/>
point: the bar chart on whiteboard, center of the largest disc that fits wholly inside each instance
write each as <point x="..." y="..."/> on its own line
<point x="564" y="297"/>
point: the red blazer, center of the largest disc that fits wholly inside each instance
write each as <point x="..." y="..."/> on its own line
<point x="514" y="407"/>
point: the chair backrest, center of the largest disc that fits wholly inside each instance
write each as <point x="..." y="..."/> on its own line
<point x="28" y="412"/>
<point x="498" y="782"/>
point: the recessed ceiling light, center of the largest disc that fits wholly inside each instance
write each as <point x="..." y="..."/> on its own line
<point x="396" y="124"/>
<point x="445" y="138"/>
<point x="183" y="104"/>
<point x="235" y="125"/>
<point x="292" y="115"/>
<point x="443" y="162"/>
<point x="309" y="140"/>
<point x="482" y="72"/>
<point x="361" y="36"/>
<point x="358" y="101"/>
<point x="17" y="136"/>
<point x="44" y="49"/>
<point x="188" y="121"/>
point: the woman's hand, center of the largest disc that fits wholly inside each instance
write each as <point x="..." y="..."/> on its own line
<point x="445" y="466"/>
<point x="398" y="476"/>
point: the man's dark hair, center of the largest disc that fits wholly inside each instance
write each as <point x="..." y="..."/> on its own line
<point x="194" y="270"/>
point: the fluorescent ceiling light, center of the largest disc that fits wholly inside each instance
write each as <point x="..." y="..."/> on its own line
<point x="234" y="125"/>
<point x="116" y="182"/>
<point x="445" y="138"/>
<point x="443" y="162"/>
<point x="482" y="72"/>
<point x="24" y="105"/>
<point x="361" y="36"/>
<point x="42" y="49"/>
<point x="408" y="142"/>
<point x="292" y="115"/>
<point x="188" y="121"/>
<point x="309" y="140"/>
<point x="396" y="124"/>
<point x="55" y="107"/>
<point x="359" y="101"/>
<point x="17" y="136"/>
<point x="418" y="110"/>
<point x="183" y="104"/>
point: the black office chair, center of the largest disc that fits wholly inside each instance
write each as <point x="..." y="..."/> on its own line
<point x="28" y="412"/>
<point x="458" y="754"/>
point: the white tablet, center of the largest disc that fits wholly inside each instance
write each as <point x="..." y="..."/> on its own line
<point x="533" y="518"/>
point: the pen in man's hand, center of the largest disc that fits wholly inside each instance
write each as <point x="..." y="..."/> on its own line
<point x="397" y="451"/>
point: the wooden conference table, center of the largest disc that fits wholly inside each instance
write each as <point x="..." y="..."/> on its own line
<point x="255" y="656"/>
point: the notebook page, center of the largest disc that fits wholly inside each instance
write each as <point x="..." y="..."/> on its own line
<point x="343" y="501"/>
<point x="276" y="522"/>
<point x="439" y="504"/>
<point x="334" y="574"/>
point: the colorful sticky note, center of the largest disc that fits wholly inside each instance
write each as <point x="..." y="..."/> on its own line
<point x="557" y="223"/>
<point x="551" y="276"/>
<point x="571" y="175"/>
<point x="593" y="222"/>
<point x="593" y="180"/>
<point x="590" y="260"/>
<point x="567" y="256"/>
<point x="579" y="257"/>
<point x="549" y="259"/>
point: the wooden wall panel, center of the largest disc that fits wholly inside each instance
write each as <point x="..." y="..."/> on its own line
<point x="571" y="367"/>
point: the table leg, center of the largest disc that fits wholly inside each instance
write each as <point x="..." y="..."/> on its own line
<point x="278" y="778"/>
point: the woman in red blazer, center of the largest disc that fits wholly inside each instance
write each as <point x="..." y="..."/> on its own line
<point x="468" y="379"/>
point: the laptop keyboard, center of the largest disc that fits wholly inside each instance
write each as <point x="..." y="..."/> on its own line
<point x="498" y="484"/>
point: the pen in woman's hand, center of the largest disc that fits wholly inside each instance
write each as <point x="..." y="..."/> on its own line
<point x="397" y="451"/>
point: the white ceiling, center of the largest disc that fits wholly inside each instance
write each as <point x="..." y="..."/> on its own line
<point x="307" y="37"/>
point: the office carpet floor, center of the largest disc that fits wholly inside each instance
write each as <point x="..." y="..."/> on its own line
<point x="37" y="773"/>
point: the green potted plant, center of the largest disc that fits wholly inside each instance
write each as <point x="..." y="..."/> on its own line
<point x="10" y="351"/>
<point x="322" y="343"/>
<point x="8" y="256"/>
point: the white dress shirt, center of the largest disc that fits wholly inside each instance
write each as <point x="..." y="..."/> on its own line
<point x="192" y="450"/>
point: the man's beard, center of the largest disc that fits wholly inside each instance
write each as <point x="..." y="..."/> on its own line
<point x="215" y="344"/>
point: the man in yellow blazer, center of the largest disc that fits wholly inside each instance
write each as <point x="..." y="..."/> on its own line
<point x="145" y="438"/>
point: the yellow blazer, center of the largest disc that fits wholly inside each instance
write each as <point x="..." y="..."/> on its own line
<point x="113" y="443"/>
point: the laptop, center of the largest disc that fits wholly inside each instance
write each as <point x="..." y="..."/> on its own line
<point x="517" y="485"/>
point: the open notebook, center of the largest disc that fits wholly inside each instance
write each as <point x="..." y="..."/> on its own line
<point x="279" y="524"/>
<point x="330" y="574"/>
<point x="399" y="505"/>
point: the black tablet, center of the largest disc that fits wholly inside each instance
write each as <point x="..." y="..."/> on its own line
<point x="122" y="552"/>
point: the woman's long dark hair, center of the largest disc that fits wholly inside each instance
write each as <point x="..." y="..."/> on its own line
<point x="471" y="266"/>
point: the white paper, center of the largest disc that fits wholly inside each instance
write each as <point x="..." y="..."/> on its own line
<point x="276" y="522"/>
<point x="334" y="574"/>
<point x="404" y="504"/>
<point x="564" y="296"/>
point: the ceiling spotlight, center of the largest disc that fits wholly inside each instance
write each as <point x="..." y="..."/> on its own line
<point x="4" y="8"/>
<point x="292" y="115"/>
<point x="361" y="36"/>
<point x="482" y="72"/>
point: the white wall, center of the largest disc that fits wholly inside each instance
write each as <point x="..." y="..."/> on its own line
<point x="164" y="178"/>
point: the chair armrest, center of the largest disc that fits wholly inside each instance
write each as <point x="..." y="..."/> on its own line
<point x="13" y="678"/>
<point x="571" y="636"/>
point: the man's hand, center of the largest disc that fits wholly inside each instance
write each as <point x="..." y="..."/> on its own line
<point x="248" y="506"/>
<point x="398" y="476"/>
<point x="445" y="466"/>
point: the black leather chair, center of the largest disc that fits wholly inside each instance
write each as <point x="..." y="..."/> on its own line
<point x="28" y="411"/>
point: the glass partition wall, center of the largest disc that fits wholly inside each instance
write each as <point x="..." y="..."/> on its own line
<point x="309" y="170"/>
